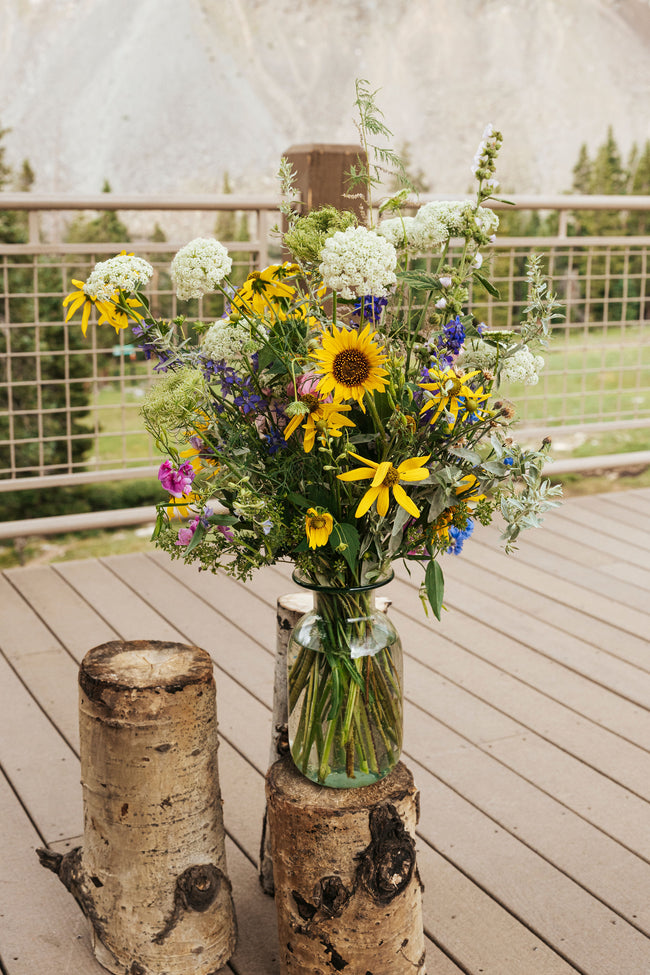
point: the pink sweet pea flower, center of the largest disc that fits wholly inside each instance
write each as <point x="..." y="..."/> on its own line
<point x="177" y="482"/>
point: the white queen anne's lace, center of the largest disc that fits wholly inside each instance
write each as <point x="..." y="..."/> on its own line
<point x="522" y="367"/>
<point x="357" y="262"/>
<point x="199" y="267"/>
<point x="226" y="340"/>
<point x="125" y="273"/>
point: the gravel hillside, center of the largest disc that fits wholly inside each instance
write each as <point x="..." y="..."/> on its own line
<point x="164" y="96"/>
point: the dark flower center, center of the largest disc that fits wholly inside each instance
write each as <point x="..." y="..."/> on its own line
<point x="311" y="402"/>
<point x="351" y="367"/>
<point x="391" y="477"/>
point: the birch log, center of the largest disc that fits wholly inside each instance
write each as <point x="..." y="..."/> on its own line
<point x="151" y="876"/>
<point x="347" y="890"/>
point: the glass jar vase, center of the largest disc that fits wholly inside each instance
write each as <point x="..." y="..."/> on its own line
<point x="344" y="688"/>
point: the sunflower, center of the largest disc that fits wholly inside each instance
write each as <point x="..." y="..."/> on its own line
<point x="318" y="526"/>
<point x="120" y="317"/>
<point x="318" y="417"/>
<point x="351" y="364"/>
<point x="451" y="394"/>
<point x="384" y="477"/>
<point x="468" y="489"/>
<point x="265" y="292"/>
<point x="79" y="299"/>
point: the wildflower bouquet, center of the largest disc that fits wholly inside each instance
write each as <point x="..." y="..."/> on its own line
<point x="342" y="414"/>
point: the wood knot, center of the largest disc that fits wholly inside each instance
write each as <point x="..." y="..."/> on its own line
<point x="196" y="890"/>
<point x="330" y="899"/>
<point x="387" y="864"/>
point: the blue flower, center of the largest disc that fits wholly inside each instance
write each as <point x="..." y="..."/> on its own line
<point x="458" y="536"/>
<point x="451" y="341"/>
<point x="372" y="309"/>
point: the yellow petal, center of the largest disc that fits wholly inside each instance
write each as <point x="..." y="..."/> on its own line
<point x="310" y="436"/>
<point x="381" y="473"/>
<point x="363" y="460"/>
<point x="366" y="501"/>
<point x="358" y="474"/>
<point x="293" y="424"/>
<point x="85" y="317"/>
<point x="417" y="475"/>
<point x="412" y="462"/>
<point x="383" y="500"/>
<point x="403" y="499"/>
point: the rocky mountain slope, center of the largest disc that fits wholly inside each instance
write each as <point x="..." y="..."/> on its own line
<point x="165" y="96"/>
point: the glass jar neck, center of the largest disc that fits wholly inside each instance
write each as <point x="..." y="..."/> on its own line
<point x="345" y="603"/>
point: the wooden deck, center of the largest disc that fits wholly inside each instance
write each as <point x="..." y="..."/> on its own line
<point x="527" y="730"/>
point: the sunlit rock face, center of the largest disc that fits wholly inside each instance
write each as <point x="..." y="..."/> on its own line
<point x="165" y="96"/>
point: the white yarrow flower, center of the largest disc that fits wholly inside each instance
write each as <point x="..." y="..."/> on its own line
<point x="122" y="273"/>
<point x="522" y="367"/>
<point x="199" y="267"/>
<point x="357" y="262"/>
<point x="397" y="230"/>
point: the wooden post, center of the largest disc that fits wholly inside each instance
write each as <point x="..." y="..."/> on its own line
<point x="151" y="876"/>
<point x="322" y="176"/>
<point x="347" y="889"/>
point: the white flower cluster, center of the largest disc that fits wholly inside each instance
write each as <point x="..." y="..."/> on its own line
<point x="436" y="222"/>
<point x="522" y="367"/>
<point x="483" y="166"/>
<point x="357" y="262"/>
<point x="226" y="340"/>
<point x="123" y="273"/>
<point x="199" y="267"/>
<point x="478" y="356"/>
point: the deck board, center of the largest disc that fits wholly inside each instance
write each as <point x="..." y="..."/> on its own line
<point x="527" y="729"/>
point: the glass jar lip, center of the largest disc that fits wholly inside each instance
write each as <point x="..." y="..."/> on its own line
<point x="383" y="580"/>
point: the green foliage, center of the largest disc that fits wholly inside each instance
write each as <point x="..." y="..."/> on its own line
<point x="102" y="229"/>
<point x="381" y="164"/>
<point x="308" y="234"/>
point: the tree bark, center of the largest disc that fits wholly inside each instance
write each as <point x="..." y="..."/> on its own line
<point x="347" y="890"/>
<point x="151" y="876"/>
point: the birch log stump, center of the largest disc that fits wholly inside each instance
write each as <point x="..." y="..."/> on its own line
<point x="151" y="876"/>
<point x="347" y="890"/>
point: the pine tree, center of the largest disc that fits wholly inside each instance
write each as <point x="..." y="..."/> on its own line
<point x="225" y="227"/>
<point x="104" y="228"/>
<point x="638" y="221"/>
<point x="582" y="172"/>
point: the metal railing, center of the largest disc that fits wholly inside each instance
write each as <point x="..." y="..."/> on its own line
<point x="69" y="406"/>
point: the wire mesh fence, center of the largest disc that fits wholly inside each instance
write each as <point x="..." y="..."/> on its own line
<point x="70" y="404"/>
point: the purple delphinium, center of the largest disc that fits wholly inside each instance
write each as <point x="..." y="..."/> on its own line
<point x="151" y="347"/>
<point x="240" y="388"/>
<point x="177" y="481"/>
<point x="372" y="309"/>
<point x="451" y="341"/>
